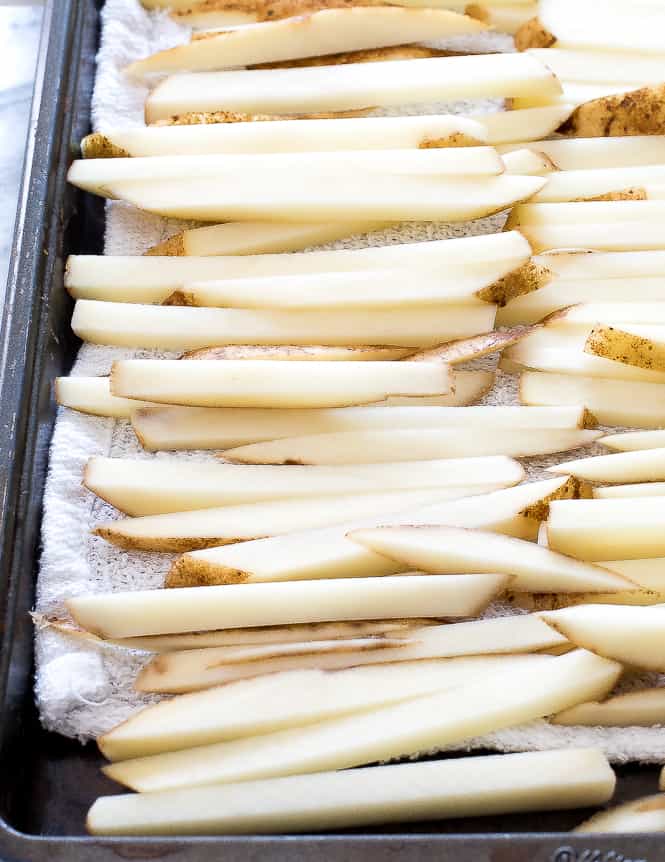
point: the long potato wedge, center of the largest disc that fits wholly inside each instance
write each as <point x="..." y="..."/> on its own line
<point x="645" y="465"/>
<point x="285" y="136"/>
<point x="163" y="427"/>
<point x="582" y="213"/>
<point x="611" y="402"/>
<point x="642" y="815"/>
<point x="584" y="264"/>
<point x="208" y="528"/>
<point x="92" y="395"/>
<point x="415" y="791"/>
<point x="330" y="197"/>
<point x="529" y="124"/>
<point x="98" y="175"/>
<point x="641" y="708"/>
<point x="408" y="444"/>
<point x="637" y="182"/>
<point x="602" y="67"/>
<point x="200" y="669"/>
<point x="418" y="725"/>
<point x="149" y="612"/>
<point x="632" y="635"/>
<point x="329" y="553"/>
<point x="153" y="279"/>
<point x="156" y="486"/>
<point x="576" y="154"/>
<point x="327" y="31"/>
<point x="634" y="440"/>
<point x="453" y="550"/>
<point x="577" y="362"/>
<point x="619" y="529"/>
<point x="360" y="85"/>
<point x="641" y="489"/>
<point x="292" y="699"/>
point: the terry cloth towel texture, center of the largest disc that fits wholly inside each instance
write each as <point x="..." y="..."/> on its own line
<point x="83" y="689"/>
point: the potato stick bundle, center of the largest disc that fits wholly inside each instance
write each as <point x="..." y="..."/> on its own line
<point x="330" y="800"/>
<point x="97" y="175"/>
<point x="609" y="529"/>
<point x="339" y="88"/>
<point x="326" y="31"/>
<point x="149" y="612"/>
<point x="149" y="487"/>
<point x="611" y="402"/>
<point x="329" y="197"/>
<point x="417" y="725"/>
<point x="329" y="553"/>
<point x="154" y="279"/>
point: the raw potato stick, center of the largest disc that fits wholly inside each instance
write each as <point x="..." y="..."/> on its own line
<point x="609" y="529"/>
<point x="208" y="528"/>
<point x="581" y="213"/>
<point x="163" y="427"/>
<point x="283" y="91"/>
<point x="97" y="175"/>
<point x="603" y="67"/>
<point x="645" y="465"/>
<point x="291" y="699"/>
<point x="329" y="553"/>
<point x="151" y="487"/>
<point x="632" y="635"/>
<point x="415" y="726"/>
<point x="149" y="612"/>
<point x="642" y="708"/>
<point x="576" y="154"/>
<point x="324" y="197"/>
<point x="409" y="444"/>
<point x="582" y="264"/>
<point x="291" y="353"/>
<point x="153" y="279"/>
<point x="247" y="383"/>
<point x="416" y="791"/>
<point x="634" y="440"/>
<point x="326" y="31"/>
<point x="93" y="395"/>
<point x="453" y="550"/>
<point x="642" y="815"/>
<point x="611" y="402"/>
<point x="642" y="489"/>
<point x="530" y="124"/>
<point x="199" y="669"/>
<point x="287" y="136"/>
<point x="637" y="182"/>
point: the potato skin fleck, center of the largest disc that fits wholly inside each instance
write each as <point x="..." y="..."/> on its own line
<point x="639" y="112"/>
<point x="533" y="35"/>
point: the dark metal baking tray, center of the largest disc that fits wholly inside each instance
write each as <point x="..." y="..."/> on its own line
<point x="46" y="781"/>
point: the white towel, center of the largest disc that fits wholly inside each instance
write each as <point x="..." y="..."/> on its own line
<point x="84" y="689"/>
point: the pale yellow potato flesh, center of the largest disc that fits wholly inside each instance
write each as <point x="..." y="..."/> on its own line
<point x="619" y="529"/>
<point x="637" y="182"/>
<point x="92" y="395"/>
<point x="584" y="264"/>
<point x="418" y="725"/>
<point x="642" y="708"/>
<point x="517" y="126"/>
<point x="528" y="161"/>
<point x="147" y="612"/>
<point x="643" y="815"/>
<point x="602" y="67"/>
<point x="283" y="91"/>
<point x="466" y="388"/>
<point x="575" y="154"/>
<point x="454" y="550"/>
<point x="415" y="791"/>
<point x="501" y="636"/>
<point x="644" y="465"/>
<point x="290" y="699"/>
<point x="582" y="213"/>
<point x="578" y="25"/>
<point x="621" y="236"/>
<point x="641" y="489"/>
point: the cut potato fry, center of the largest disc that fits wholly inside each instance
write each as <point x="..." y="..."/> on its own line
<point x="361" y="85"/>
<point x="157" y="486"/>
<point x="153" y="279"/>
<point x="576" y="24"/>
<point x="631" y="635"/>
<point x="635" y="709"/>
<point x="581" y="213"/>
<point x="337" y="290"/>
<point x="329" y="197"/>
<point x="369" y="55"/>
<point x="466" y="387"/>
<point x="92" y="395"/>
<point x="602" y="67"/>
<point x="627" y="347"/>
<point x="292" y="699"/>
<point x="200" y="669"/>
<point x="648" y="574"/>
<point x="326" y="31"/>
<point x="638" y="112"/>
<point x="163" y="427"/>
<point x="643" y="489"/>
<point x="409" y="444"/>
<point x="620" y="236"/>
<point x="150" y="612"/>
<point x="293" y="352"/>
<point x="533" y="307"/>
<point x="528" y="161"/>
<point x="576" y="154"/>
<point x="649" y="316"/>
<point x="98" y="175"/>
<point x="530" y="124"/>
<point x="243" y="238"/>
<point x="576" y="362"/>
<point x="285" y="136"/>
<point x="611" y="402"/>
<point x="414" y="791"/>
<point x="645" y="465"/>
<point x="637" y="182"/>
<point x="458" y="551"/>
<point x="642" y="815"/>
<point x="634" y="440"/>
<point x="247" y="383"/>
<point x="415" y="726"/>
<point x="329" y="553"/>
<point x="585" y="264"/>
<point x="209" y="528"/>
<point x="621" y="529"/>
